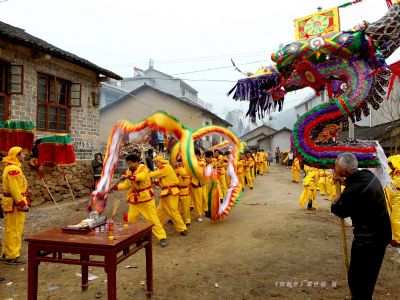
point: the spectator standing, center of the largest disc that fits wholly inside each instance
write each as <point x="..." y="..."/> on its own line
<point x="149" y="160"/>
<point x="277" y="154"/>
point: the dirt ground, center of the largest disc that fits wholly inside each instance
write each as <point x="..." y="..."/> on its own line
<point x="267" y="248"/>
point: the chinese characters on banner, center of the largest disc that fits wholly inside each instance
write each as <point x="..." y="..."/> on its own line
<point x="322" y="22"/>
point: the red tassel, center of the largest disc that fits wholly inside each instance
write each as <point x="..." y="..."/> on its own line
<point x="392" y="78"/>
<point x="389" y="3"/>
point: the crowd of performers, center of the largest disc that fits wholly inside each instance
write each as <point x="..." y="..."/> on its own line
<point x="315" y="180"/>
<point x="323" y="180"/>
<point x="181" y="193"/>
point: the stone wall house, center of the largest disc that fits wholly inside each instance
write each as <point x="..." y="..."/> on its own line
<point x="59" y="92"/>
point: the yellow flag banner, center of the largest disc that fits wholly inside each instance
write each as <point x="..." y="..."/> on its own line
<point x="322" y="22"/>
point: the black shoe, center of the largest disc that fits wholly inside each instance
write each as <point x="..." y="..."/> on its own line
<point x="163" y="243"/>
<point x="187" y="225"/>
<point x="16" y="261"/>
<point x="184" y="233"/>
<point x="251" y="188"/>
<point x="2" y="279"/>
<point x="242" y="190"/>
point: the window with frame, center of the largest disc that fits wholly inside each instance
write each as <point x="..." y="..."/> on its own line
<point x="3" y="91"/>
<point x="11" y="82"/>
<point x="53" y="103"/>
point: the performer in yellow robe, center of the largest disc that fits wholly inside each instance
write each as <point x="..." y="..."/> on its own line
<point x="247" y="170"/>
<point x="169" y="196"/>
<point x="196" y="190"/>
<point x="322" y="183"/>
<point x="266" y="170"/>
<point x="240" y="170"/>
<point x="204" y="186"/>
<point x="260" y="163"/>
<point x="15" y="204"/>
<point x="184" y="192"/>
<point x="309" y="191"/>
<point x="295" y="170"/>
<point x="330" y="185"/>
<point x="252" y="164"/>
<point x="141" y="196"/>
<point x="394" y="162"/>
<point x="221" y="165"/>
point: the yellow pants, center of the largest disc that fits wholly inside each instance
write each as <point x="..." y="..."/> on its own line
<point x="168" y="208"/>
<point x="253" y="173"/>
<point x="331" y="190"/>
<point x="249" y="179"/>
<point x="241" y="179"/>
<point x="323" y="188"/>
<point x="306" y="195"/>
<point x="395" y="216"/>
<point x="14" y="226"/>
<point x="260" y="169"/>
<point x="222" y="182"/>
<point x="205" y="188"/>
<point x="266" y="167"/>
<point x="295" y="176"/>
<point x="184" y="208"/>
<point x="197" y="197"/>
<point x="149" y="212"/>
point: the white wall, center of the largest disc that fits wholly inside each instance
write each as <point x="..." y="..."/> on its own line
<point x="281" y="140"/>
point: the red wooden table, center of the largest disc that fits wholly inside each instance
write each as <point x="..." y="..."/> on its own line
<point x="55" y="242"/>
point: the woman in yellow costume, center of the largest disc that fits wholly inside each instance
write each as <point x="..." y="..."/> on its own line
<point x="394" y="199"/>
<point x="323" y="182"/>
<point x="221" y="165"/>
<point x="247" y="169"/>
<point x="15" y="204"/>
<point x="141" y="196"/>
<point x="295" y="170"/>
<point x="184" y="191"/>
<point x="265" y="154"/>
<point x="252" y="164"/>
<point x="169" y="196"/>
<point x="240" y="170"/>
<point x="309" y="191"/>
<point x="197" y="192"/>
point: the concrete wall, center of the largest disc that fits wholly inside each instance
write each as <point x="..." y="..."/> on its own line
<point x="261" y="129"/>
<point x="110" y="94"/>
<point x="84" y="120"/>
<point x="281" y="140"/>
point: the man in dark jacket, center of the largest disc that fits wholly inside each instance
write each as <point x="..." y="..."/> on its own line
<point x="149" y="160"/>
<point x="363" y="200"/>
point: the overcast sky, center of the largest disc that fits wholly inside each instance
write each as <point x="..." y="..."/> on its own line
<point x="180" y="36"/>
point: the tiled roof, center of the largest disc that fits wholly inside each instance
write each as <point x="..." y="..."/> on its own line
<point x="21" y="37"/>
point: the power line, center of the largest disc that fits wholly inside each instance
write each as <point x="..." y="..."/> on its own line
<point x="189" y="59"/>
<point x="218" y="68"/>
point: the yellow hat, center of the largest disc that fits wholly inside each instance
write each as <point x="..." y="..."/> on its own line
<point x="161" y="160"/>
<point x="11" y="158"/>
<point x="395" y="160"/>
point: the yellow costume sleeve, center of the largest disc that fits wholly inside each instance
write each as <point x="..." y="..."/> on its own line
<point x="15" y="184"/>
<point x="160" y="173"/>
<point x="141" y="173"/>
